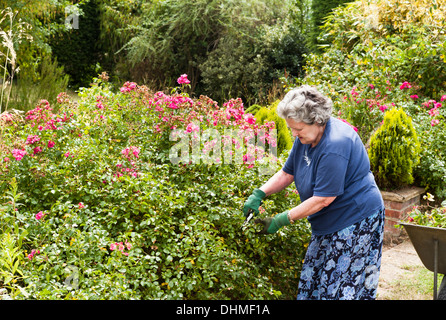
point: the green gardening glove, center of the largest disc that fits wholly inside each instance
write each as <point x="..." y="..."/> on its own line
<point x="254" y="201"/>
<point x="273" y="224"/>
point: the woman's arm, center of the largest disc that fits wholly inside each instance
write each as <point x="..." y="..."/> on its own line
<point x="279" y="181"/>
<point x="308" y="207"/>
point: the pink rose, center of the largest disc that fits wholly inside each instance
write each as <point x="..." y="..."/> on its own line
<point x="183" y="79"/>
<point x="18" y="154"/>
<point x="405" y="85"/>
<point x="39" y="215"/>
<point x="32" y="139"/>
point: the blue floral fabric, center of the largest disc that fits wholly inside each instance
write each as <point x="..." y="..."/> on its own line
<point x="344" y="265"/>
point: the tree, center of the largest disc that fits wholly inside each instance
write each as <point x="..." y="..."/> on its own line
<point x="256" y="40"/>
<point x="394" y="150"/>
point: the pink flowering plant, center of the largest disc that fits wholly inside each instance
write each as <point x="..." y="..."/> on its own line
<point x="98" y="199"/>
<point x="364" y="107"/>
<point x="428" y="214"/>
<point x="429" y="117"/>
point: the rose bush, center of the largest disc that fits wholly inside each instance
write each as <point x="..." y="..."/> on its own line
<point x="94" y="208"/>
<point x="364" y="107"/>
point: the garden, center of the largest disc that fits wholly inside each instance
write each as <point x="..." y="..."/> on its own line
<point x="128" y="151"/>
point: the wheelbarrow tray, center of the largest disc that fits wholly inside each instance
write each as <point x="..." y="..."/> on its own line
<point x="430" y="245"/>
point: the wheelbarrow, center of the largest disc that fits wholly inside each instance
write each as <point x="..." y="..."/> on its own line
<point x="430" y="245"/>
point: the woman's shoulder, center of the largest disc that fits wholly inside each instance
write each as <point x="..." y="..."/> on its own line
<point x="340" y="137"/>
<point x="338" y="131"/>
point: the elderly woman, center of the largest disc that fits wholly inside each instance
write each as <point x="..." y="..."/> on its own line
<point x="331" y="170"/>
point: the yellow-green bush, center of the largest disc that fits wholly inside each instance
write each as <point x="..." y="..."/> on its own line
<point x="394" y="150"/>
<point x="267" y="114"/>
<point x="253" y="109"/>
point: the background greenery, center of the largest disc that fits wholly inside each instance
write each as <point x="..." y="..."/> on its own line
<point x="227" y="48"/>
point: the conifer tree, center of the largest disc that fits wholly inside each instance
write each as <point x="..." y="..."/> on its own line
<point x="394" y="150"/>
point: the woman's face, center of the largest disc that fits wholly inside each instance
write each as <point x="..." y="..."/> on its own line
<point x="306" y="133"/>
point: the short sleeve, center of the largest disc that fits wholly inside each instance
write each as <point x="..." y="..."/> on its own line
<point x="330" y="175"/>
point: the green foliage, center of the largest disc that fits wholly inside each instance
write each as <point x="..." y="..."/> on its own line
<point x="115" y="18"/>
<point x="174" y="37"/>
<point x="11" y="33"/>
<point x="284" y="138"/>
<point x="235" y="69"/>
<point x="394" y="150"/>
<point x="320" y="10"/>
<point x="363" y="108"/>
<point x="46" y="82"/>
<point x="249" y="64"/>
<point x="285" y="47"/>
<point x="12" y="235"/>
<point x="428" y="215"/>
<point x="107" y="214"/>
<point x="255" y="43"/>
<point x="34" y="24"/>
<point x="429" y="122"/>
<point x="372" y="43"/>
<point x="228" y="48"/>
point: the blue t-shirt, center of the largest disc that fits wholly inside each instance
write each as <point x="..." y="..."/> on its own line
<point x="338" y="166"/>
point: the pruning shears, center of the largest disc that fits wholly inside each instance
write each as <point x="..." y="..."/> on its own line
<point x="248" y="218"/>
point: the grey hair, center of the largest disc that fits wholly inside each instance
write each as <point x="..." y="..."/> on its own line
<point x="305" y="104"/>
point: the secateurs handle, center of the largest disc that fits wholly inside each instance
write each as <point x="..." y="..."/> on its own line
<point x="248" y="218"/>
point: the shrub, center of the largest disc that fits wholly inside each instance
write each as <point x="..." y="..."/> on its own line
<point x="319" y="11"/>
<point x="269" y="114"/>
<point x="229" y="48"/>
<point x="429" y="121"/>
<point x="253" y="109"/>
<point x="45" y="82"/>
<point x="364" y="108"/>
<point x="108" y="215"/>
<point x="249" y="64"/>
<point x="77" y="50"/>
<point x="235" y="68"/>
<point x="394" y="150"/>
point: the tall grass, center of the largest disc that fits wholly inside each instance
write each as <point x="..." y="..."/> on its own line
<point x="12" y="33"/>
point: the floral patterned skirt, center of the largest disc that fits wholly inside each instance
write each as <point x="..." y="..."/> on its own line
<point x="344" y="265"/>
